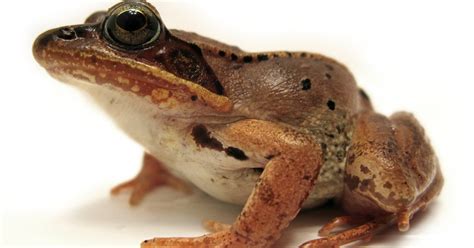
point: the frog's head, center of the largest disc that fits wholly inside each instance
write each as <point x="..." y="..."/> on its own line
<point x="128" y="48"/>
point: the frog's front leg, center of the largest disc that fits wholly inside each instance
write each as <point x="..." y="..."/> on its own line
<point x="279" y="193"/>
<point x="152" y="175"/>
<point x="391" y="173"/>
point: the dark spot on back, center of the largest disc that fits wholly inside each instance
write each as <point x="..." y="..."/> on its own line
<point x="363" y="94"/>
<point x="289" y="54"/>
<point x="387" y="185"/>
<point x="194" y="98"/>
<point x="327" y="76"/>
<point x="234" y="57"/>
<point x="331" y="105"/>
<point x="364" y="169"/>
<point x="203" y="139"/>
<point x="303" y="55"/>
<point x="306" y="83"/>
<point x="262" y="57"/>
<point x="222" y="53"/>
<point x="248" y="59"/>
<point x="276" y="55"/>
<point x="236" y="153"/>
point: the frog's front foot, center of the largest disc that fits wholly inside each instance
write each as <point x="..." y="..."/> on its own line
<point x="221" y="239"/>
<point x="214" y="226"/>
<point x="152" y="175"/>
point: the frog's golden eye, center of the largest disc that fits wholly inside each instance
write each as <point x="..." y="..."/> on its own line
<point x="132" y="27"/>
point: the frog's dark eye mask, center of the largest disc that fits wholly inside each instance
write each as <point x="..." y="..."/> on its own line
<point x="131" y="25"/>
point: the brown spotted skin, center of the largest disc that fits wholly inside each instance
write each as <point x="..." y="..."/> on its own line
<point x="301" y="83"/>
<point x="300" y="113"/>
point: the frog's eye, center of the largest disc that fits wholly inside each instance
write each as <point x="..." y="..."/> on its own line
<point x="132" y="27"/>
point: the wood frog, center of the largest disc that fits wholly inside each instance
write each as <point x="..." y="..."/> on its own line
<point x="273" y="131"/>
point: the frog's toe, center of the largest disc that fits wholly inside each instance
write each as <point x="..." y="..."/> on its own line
<point x="139" y="187"/>
<point x="152" y="175"/>
<point x="328" y="228"/>
<point x="363" y="232"/>
<point x="223" y="238"/>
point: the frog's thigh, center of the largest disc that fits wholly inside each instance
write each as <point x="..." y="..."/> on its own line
<point x="390" y="165"/>
<point x="391" y="173"/>
<point x="281" y="190"/>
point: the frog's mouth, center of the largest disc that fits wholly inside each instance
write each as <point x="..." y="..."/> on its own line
<point x="80" y="53"/>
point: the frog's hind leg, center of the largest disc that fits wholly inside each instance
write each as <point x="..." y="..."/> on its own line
<point x="389" y="161"/>
<point x="368" y="229"/>
<point x="152" y="175"/>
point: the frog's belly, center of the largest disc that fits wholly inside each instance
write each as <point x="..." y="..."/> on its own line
<point x="226" y="178"/>
<point x="235" y="186"/>
<point x="214" y="172"/>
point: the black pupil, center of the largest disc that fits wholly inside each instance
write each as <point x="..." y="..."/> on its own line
<point x="131" y="20"/>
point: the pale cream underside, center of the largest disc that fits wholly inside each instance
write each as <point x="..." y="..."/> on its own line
<point x="169" y="139"/>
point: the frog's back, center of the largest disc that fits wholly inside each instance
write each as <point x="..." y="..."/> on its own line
<point x="297" y="88"/>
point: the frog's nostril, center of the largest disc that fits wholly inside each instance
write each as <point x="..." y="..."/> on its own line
<point x="66" y="33"/>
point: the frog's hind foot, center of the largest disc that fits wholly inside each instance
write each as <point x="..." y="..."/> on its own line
<point x="363" y="232"/>
<point x="152" y="175"/>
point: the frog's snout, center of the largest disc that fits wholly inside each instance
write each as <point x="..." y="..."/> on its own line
<point x="59" y="38"/>
<point x="40" y="45"/>
<point x="44" y="40"/>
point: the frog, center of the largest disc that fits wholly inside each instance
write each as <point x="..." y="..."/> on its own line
<point x="275" y="132"/>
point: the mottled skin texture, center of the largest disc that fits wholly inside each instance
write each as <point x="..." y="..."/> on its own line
<point x="295" y="115"/>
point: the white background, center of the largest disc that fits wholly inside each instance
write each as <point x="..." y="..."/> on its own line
<point x="59" y="154"/>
